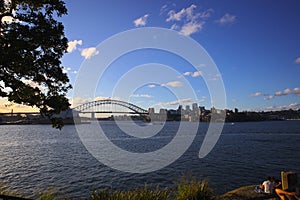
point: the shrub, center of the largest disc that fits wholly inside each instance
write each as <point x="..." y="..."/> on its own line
<point x="143" y="193"/>
<point x="189" y="188"/>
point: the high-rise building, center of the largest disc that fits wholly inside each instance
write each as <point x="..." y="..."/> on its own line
<point x="187" y="108"/>
<point x="195" y="107"/>
<point x="151" y="110"/>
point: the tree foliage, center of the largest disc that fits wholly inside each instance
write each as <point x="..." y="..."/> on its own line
<point x="32" y="43"/>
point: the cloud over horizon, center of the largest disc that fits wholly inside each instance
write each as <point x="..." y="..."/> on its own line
<point x="7" y="106"/>
<point x="293" y="106"/>
<point x="287" y="91"/>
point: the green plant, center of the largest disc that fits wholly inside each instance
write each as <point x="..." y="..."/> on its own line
<point x="143" y="193"/>
<point x="50" y="194"/>
<point x="189" y="188"/>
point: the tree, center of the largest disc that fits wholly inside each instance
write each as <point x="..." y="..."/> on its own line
<point x="32" y="43"/>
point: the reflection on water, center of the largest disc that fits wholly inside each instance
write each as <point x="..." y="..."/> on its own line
<point x="37" y="157"/>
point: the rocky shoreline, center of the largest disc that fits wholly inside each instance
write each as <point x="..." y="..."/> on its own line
<point x="246" y="193"/>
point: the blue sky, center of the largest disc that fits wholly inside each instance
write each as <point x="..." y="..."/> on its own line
<point x="255" y="45"/>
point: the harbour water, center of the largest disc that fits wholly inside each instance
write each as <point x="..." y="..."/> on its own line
<point x="36" y="158"/>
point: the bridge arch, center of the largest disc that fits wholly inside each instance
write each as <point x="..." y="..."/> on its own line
<point x="86" y="107"/>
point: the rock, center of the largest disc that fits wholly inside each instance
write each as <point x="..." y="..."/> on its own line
<point x="246" y="193"/>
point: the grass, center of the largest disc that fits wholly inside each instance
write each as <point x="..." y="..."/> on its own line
<point x="186" y="189"/>
<point x="143" y="193"/>
<point x="4" y="190"/>
<point x="190" y="188"/>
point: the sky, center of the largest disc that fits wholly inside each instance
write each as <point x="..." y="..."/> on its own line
<point x="255" y="46"/>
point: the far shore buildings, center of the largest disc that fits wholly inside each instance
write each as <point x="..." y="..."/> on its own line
<point x="194" y="113"/>
<point x="191" y="113"/>
<point x="68" y="116"/>
<point x="197" y="113"/>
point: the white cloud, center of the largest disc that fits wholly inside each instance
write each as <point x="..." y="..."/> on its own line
<point x="79" y="101"/>
<point x="89" y="52"/>
<point x="200" y="100"/>
<point x="185" y="13"/>
<point x="257" y="94"/>
<point x="66" y="70"/>
<point x="191" y="27"/>
<point x="100" y="98"/>
<point x="197" y="73"/>
<point x="190" y="12"/>
<point x="163" y="9"/>
<point x="141" y="96"/>
<point x="142" y="21"/>
<point x="175" y="27"/>
<point x="173" y="16"/>
<point x="205" y="14"/>
<point x="4" y="89"/>
<point x="269" y="97"/>
<point x="7" y="19"/>
<point x="297" y="91"/>
<point x="293" y="106"/>
<point x="173" y="84"/>
<point x="288" y="91"/>
<point x="177" y="102"/>
<point x="34" y="85"/>
<point x="191" y="21"/>
<point x="226" y="19"/>
<point x="151" y="86"/>
<point x="187" y="73"/>
<point x="7" y="106"/>
<point x="282" y="93"/>
<point x="297" y="61"/>
<point x="193" y="74"/>
<point x="72" y="45"/>
<point x="10" y="19"/>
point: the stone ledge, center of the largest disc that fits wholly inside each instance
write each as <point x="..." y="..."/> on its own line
<point x="246" y="193"/>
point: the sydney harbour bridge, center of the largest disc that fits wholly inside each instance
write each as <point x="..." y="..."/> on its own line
<point x="107" y="106"/>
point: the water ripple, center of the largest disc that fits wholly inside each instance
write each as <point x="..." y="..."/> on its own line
<point x="35" y="158"/>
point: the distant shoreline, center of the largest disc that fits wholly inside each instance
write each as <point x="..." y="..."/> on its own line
<point x="69" y="122"/>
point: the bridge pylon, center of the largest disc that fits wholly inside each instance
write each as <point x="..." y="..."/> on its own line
<point x="92" y="115"/>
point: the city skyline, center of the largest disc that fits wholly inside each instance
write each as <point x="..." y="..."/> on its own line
<point x="254" y="44"/>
